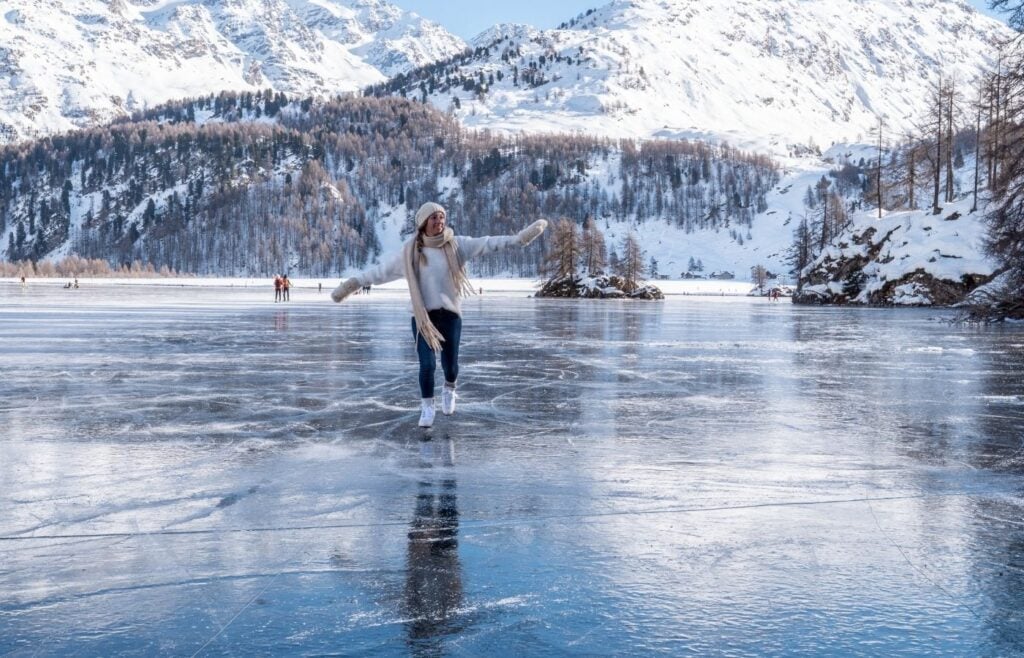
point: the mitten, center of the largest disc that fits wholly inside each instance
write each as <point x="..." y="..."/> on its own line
<point x="345" y="288"/>
<point x="532" y="232"/>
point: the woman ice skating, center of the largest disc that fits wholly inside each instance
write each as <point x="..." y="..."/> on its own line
<point x="433" y="263"/>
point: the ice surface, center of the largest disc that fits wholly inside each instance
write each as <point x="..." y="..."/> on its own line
<point x="200" y="470"/>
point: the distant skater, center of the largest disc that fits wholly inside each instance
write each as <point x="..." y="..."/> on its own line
<point x="319" y="287"/>
<point x="277" y="288"/>
<point x="433" y="262"/>
<point x="286" y="286"/>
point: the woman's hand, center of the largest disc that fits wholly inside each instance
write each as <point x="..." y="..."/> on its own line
<point x="532" y="232"/>
<point x="345" y="288"/>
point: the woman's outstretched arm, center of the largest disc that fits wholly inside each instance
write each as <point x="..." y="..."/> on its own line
<point x="389" y="269"/>
<point x="470" y="248"/>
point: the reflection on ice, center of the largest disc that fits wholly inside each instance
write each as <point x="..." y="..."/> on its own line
<point x="433" y="574"/>
<point x="201" y="471"/>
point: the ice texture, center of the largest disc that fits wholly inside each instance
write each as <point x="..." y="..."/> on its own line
<point x="202" y="471"/>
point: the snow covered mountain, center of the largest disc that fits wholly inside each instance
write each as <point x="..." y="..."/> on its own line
<point x="783" y="72"/>
<point x="762" y="75"/>
<point x="757" y="73"/>
<point x="76" y="63"/>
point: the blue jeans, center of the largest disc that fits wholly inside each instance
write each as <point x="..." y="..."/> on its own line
<point x="450" y="326"/>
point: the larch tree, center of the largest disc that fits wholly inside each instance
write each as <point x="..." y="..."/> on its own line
<point x="824" y="225"/>
<point x="759" y="277"/>
<point x="595" y="259"/>
<point x="631" y="263"/>
<point x="1005" y="238"/>
<point x="979" y="108"/>
<point x="934" y="126"/>
<point x="563" y="256"/>
<point x="878" y="179"/>
<point x="953" y="111"/>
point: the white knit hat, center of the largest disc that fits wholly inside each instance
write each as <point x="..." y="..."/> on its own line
<point x="425" y="211"/>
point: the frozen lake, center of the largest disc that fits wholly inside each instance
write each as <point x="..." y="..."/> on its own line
<point x="201" y="471"/>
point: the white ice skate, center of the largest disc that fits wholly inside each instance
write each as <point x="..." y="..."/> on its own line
<point x="448" y="400"/>
<point x="427" y="413"/>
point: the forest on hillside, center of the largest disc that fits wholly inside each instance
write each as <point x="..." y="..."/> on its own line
<point x="967" y="143"/>
<point x="256" y="183"/>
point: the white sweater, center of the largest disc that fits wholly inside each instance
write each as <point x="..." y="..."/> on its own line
<point x="435" y="281"/>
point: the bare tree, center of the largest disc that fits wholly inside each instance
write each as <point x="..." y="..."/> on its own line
<point x="631" y="264"/>
<point x="934" y="125"/>
<point x="563" y="254"/>
<point x="913" y="156"/>
<point x="878" y="170"/>
<point x="595" y="258"/>
<point x="1013" y="10"/>
<point x="759" y="277"/>
<point x="825" y="233"/>
<point x="837" y="214"/>
<point x="953" y="111"/>
<point x="979" y="106"/>
<point x="1005" y="239"/>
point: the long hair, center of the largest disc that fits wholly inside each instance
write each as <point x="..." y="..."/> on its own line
<point x="418" y="245"/>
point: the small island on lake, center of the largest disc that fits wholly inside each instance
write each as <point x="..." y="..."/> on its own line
<point x="572" y="252"/>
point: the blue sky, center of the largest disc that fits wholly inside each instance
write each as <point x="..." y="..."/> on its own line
<point x="467" y="18"/>
<point x="982" y="6"/>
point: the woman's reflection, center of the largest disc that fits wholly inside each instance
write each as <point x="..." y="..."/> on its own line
<point x="433" y="584"/>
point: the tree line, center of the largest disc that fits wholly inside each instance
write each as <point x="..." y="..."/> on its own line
<point x="255" y="183"/>
<point x="1004" y="140"/>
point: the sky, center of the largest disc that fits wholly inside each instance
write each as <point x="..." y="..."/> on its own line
<point x="982" y="6"/>
<point x="468" y="18"/>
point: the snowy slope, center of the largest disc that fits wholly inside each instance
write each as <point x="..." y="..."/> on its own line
<point x="74" y="63"/>
<point x="911" y="258"/>
<point x="754" y="72"/>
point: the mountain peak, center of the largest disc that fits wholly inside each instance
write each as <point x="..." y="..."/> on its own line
<point x="785" y="72"/>
<point x="73" y="64"/>
<point x="503" y="31"/>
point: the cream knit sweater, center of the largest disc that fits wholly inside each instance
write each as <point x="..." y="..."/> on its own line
<point x="436" y="284"/>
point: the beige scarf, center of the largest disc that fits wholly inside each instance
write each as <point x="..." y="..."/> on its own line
<point x="456" y="269"/>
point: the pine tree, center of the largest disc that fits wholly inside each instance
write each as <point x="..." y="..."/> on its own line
<point x="801" y="253"/>
<point x="809" y="200"/>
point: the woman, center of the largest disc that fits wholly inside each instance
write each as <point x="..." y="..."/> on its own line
<point x="433" y="263"/>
